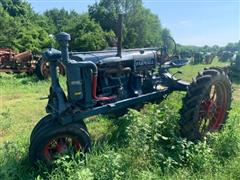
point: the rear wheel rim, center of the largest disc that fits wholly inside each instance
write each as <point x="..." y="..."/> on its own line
<point x="45" y="69"/>
<point x="213" y="108"/>
<point x="62" y="145"/>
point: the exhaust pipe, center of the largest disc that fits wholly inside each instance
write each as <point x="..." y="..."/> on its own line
<point x="119" y="35"/>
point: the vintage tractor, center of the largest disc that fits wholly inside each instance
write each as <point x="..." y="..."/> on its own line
<point x="110" y="82"/>
<point x="13" y="62"/>
<point x="201" y="57"/>
<point x="185" y="54"/>
<point x="27" y="62"/>
<point x="235" y="67"/>
<point x="208" y="58"/>
<point x="198" y="57"/>
<point x="42" y="69"/>
<point x="224" y="56"/>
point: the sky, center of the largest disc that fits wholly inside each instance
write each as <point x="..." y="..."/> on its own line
<point x="191" y="22"/>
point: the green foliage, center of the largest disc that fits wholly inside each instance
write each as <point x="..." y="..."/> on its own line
<point x="87" y="35"/>
<point x="167" y="41"/>
<point x="25" y="30"/>
<point x="60" y="19"/>
<point x="106" y="13"/>
<point x="16" y="8"/>
<point x="8" y="29"/>
<point x="31" y="37"/>
<point x="215" y="49"/>
<point x="232" y="47"/>
<point x="21" y="28"/>
<point x="140" y="145"/>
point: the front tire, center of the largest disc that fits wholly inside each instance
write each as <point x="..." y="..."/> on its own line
<point x="206" y="104"/>
<point x="45" y="122"/>
<point x="55" y="140"/>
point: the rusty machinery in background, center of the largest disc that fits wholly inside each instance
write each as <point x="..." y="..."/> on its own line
<point x="235" y="67"/>
<point x="12" y="62"/>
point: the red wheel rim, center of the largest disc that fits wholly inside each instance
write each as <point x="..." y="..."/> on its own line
<point x="45" y="69"/>
<point x="213" y="108"/>
<point x="60" y="146"/>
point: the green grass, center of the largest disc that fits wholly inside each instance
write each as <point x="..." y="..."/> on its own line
<point x="141" y="145"/>
<point x="191" y="71"/>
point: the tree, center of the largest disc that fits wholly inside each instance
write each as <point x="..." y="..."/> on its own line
<point x="167" y="41"/>
<point x="60" y="19"/>
<point x="21" y="28"/>
<point x="141" y="27"/>
<point x="8" y="29"/>
<point x="32" y="37"/>
<point x="16" y="7"/>
<point x="106" y="11"/>
<point x="87" y="35"/>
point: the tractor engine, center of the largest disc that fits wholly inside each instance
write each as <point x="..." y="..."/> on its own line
<point x="122" y="78"/>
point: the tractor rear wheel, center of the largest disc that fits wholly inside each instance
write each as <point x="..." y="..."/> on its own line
<point x="54" y="140"/>
<point x="206" y="104"/>
<point x="43" y="69"/>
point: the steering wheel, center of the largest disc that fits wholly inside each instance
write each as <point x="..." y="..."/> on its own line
<point x="163" y="52"/>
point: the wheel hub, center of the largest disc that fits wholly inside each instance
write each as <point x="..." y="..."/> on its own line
<point x="60" y="146"/>
<point x="212" y="110"/>
<point x="209" y="107"/>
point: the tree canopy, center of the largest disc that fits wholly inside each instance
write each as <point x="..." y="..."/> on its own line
<point x="20" y="27"/>
<point x="23" y="29"/>
<point x="141" y="27"/>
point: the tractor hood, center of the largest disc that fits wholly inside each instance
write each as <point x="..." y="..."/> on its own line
<point x="107" y="57"/>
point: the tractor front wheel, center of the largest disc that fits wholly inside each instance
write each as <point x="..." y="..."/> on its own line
<point x="55" y="140"/>
<point x="41" y="123"/>
<point x="45" y="122"/>
<point x="206" y="104"/>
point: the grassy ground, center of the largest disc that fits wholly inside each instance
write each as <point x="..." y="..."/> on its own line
<point x="141" y="145"/>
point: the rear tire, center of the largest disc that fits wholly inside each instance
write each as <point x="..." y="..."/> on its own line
<point x="206" y="104"/>
<point x="54" y="140"/>
<point x="43" y="70"/>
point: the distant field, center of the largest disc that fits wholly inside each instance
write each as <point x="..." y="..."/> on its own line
<point x="141" y="145"/>
<point x="190" y="71"/>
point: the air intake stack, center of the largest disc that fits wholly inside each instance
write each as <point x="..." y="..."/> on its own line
<point x="119" y="35"/>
